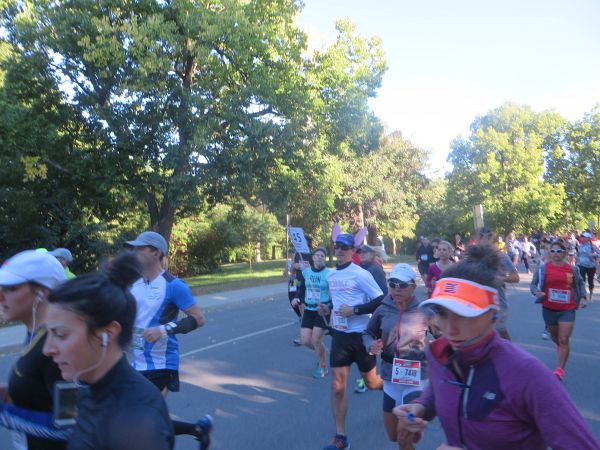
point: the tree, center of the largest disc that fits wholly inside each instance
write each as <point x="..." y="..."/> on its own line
<point x="192" y="99"/>
<point x="500" y="165"/>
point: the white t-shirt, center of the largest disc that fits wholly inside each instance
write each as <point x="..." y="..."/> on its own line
<point x="351" y="286"/>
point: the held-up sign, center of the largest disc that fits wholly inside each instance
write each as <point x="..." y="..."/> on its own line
<point x="298" y="239"/>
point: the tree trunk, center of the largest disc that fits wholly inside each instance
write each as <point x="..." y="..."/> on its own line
<point x="393" y="246"/>
<point x="274" y="252"/>
<point x="257" y="255"/>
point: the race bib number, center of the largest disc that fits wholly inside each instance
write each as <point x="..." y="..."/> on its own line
<point x="292" y="288"/>
<point x="313" y="295"/>
<point x="407" y="372"/>
<point x="339" y="322"/>
<point x="558" y="296"/>
<point x="424" y="258"/>
<point x="138" y="338"/>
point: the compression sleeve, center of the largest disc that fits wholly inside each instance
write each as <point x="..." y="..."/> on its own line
<point x="34" y="423"/>
<point x="369" y="307"/>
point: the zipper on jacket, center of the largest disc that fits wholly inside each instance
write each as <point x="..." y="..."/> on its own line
<point x="465" y="397"/>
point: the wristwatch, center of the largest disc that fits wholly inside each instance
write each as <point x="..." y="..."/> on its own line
<point x="169" y="327"/>
<point x="355" y="311"/>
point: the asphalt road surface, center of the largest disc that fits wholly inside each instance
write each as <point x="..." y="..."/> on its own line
<point x="244" y="370"/>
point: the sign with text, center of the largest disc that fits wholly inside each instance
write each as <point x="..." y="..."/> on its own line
<point x="298" y="239"/>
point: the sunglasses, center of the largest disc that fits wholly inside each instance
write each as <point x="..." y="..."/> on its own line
<point x="398" y="284"/>
<point x="560" y="250"/>
<point x="342" y="247"/>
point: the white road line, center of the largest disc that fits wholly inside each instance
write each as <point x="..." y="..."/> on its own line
<point x="239" y="338"/>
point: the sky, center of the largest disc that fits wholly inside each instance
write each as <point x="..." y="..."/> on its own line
<point x="450" y="61"/>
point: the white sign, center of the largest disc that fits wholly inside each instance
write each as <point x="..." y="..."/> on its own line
<point x="298" y="239"/>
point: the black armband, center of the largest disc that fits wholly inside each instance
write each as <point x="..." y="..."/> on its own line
<point x="182" y="326"/>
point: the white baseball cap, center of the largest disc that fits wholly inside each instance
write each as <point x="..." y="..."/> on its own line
<point x="32" y="266"/>
<point x="403" y="272"/>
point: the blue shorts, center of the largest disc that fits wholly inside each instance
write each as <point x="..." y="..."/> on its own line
<point x="552" y="318"/>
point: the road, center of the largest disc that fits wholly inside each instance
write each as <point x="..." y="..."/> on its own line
<point x="243" y="368"/>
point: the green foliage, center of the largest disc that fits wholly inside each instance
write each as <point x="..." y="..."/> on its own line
<point x="501" y="166"/>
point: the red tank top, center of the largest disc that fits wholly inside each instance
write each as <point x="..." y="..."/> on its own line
<point x="558" y="287"/>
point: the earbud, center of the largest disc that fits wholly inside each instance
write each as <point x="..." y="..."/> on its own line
<point x="494" y="317"/>
<point x="104" y="339"/>
<point x="39" y="296"/>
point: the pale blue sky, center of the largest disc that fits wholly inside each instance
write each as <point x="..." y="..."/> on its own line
<point x="452" y="60"/>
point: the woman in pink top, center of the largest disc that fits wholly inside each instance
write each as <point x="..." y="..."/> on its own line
<point x="444" y="251"/>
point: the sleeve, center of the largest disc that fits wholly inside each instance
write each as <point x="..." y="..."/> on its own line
<point x="34" y="423"/>
<point x="142" y="428"/>
<point x="379" y="277"/>
<point x="181" y="295"/>
<point x="579" y="286"/>
<point x="554" y="414"/>
<point x="373" y="330"/>
<point x="535" y="280"/>
<point x="369" y="286"/>
<point x="301" y="294"/>
<point x="427" y="399"/>
<point x="430" y="277"/>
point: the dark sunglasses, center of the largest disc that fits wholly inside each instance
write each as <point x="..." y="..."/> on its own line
<point x="342" y="247"/>
<point x="560" y="250"/>
<point x="399" y="284"/>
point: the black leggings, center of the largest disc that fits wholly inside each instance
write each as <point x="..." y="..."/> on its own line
<point x="526" y="262"/>
<point x="588" y="272"/>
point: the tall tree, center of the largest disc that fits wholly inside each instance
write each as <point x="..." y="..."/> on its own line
<point x="193" y="99"/>
<point x="500" y="165"/>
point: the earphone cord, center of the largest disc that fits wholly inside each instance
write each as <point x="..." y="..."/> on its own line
<point x="94" y="367"/>
<point x="33" y="324"/>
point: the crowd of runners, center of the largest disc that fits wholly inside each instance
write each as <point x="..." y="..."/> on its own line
<point x="101" y="349"/>
<point x="450" y="356"/>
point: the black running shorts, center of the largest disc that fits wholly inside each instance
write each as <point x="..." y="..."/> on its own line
<point x="311" y="319"/>
<point x="348" y="348"/>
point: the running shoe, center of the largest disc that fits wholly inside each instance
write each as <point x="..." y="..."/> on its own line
<point x="297" y="342"/>
<point x="560" y="373"/>
<point x="320" y="372"/>
<point x="545" y="335"/>
<point x="202" y="431"/>
<point x="360" y="386"/>
<point x="340" y="442"/>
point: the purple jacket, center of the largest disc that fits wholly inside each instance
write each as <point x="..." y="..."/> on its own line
<point x="507" y="399"/>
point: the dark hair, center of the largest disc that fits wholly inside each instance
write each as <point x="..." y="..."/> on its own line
<point x="559" y="242"/>
<point x="481" y="265"/>
<point x="104" y="296"/>
<point x="320" y="249"/>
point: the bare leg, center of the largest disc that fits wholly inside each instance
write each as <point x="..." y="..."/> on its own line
<point x="338" y="400"/>
<point x="565" y="329"/>
<point x="317" y="345"/>
<point x="306" y="337"/>
<point x="391" y="425"/>
<point x="372" y="380"/>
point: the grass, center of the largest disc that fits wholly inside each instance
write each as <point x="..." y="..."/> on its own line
<point x="239" y="275"/>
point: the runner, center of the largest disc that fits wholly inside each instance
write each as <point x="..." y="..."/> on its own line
<point x="371" y="261"/>
<point x="65" y="257"/>
<point x="90" y="321"/>
<point x="572" y="248"/>
<point x="424" y="256"/>
<point x="459" y="247"/>
<point x="587" y="256"/>
<point x="512" y="249"/>
<point x="313" y="291"/>
<point x="25" y="283"/>
<point x="159" y="297"/>
<point x="507" y="274"/>
<point x="396" y="331"/>
<point x="444" y="251"/>
<point x="562" y="290"/>
<point x="488" y="393"/>
<point x="528" y="252"/>
<point x="354" y="295"/>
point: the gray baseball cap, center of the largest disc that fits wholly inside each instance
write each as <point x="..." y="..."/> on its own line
<point x="63" y="253"/>
<point x="152" y="239"/>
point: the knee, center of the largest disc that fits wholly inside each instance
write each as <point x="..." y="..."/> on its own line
<point x="563" y="340"/>
<point x="338" y="389"/>
<point x="306" y="341"/>
<point x="316" y="342"/>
